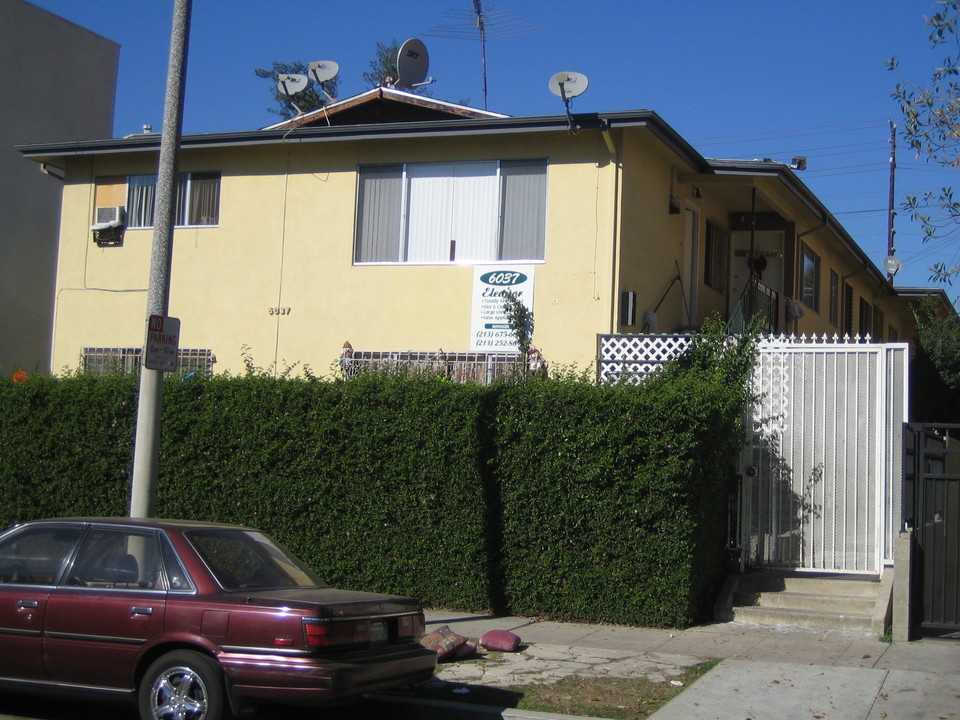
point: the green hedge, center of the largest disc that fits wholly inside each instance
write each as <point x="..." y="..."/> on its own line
<point x="615" y="498"/>
<point x="551" y="497"/>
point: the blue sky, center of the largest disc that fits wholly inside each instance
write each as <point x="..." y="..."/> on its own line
<point x="737" y="78"/>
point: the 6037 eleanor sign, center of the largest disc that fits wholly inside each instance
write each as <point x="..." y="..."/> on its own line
<point x="490" y="329"/>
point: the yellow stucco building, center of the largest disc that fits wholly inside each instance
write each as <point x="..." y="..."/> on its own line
<point x="390" y="221"/>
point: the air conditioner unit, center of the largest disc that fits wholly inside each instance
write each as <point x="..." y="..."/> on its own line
<point x="108" y="217"/>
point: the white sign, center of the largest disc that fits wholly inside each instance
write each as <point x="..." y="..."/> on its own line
<point x="163" y="342"/>
<point x="490" y="329"/>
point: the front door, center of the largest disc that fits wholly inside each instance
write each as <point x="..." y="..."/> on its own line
<point x="766" y="262"/>
<point x="933" y="509"/>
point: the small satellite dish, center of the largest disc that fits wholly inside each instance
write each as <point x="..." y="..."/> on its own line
<point x="413" y="61"/>
<point x="892" y="265"/>
<point x="568" y="84"/>
<point x="323" y="70"/>
<point x="291" y="84"/>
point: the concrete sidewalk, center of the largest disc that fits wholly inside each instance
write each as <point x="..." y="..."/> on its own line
<point x="766" y="672"/>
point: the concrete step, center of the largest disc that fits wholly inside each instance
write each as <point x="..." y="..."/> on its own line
<point x="866" y="586"/>
<point x="832" y="602"/>
<point x="803" y="599"/>
<point x="759" y="615"/>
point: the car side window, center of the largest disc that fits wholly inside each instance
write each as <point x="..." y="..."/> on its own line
<point x="117" y="559"/>
<point x="34" y="557"/>
<point x="177" y="578"/>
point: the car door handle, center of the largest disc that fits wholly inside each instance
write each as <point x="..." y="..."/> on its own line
<point x="32" y="604"/>
<point x="139" y="610"/>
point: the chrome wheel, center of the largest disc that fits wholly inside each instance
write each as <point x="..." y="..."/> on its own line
<point x="183" y="685"/>
<point x="179" y="694"/>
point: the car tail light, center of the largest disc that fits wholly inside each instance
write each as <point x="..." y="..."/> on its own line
<point x="411" y="625"/>
<point x="317" y="633"/>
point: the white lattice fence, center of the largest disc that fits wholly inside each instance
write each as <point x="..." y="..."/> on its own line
<point x="632" y="357"/>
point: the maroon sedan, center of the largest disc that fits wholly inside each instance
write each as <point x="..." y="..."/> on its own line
<point x="197" y="619"/>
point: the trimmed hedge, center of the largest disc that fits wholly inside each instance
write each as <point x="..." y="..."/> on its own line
<point x="551" y="497"/>
<point x="374" y="482"/>
<point x="615" y="498"/>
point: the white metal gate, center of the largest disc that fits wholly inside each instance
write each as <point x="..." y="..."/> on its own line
<point x="822" y="471"/>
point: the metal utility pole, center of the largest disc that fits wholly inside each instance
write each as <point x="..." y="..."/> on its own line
<point x="482" y="28"/>
<point x="891" y="214"/>
<point x="146" y="455"/>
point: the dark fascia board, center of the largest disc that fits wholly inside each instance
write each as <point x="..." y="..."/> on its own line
<point x="783" y="173"/>
<point x="57" y="153"/>
<point x="918" y="293"/>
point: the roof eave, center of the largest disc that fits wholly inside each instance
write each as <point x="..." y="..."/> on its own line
<point x="57" y="153"/>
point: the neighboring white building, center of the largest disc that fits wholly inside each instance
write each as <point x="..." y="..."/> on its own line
<point x="57" y="80"/>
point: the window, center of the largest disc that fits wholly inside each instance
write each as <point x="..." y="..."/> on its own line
<point x="197" y="199"/>
<point x="866" y="318"/>
<point x="451" y="212"/>
<point x="834" y="298"/>
<point x="35" y="556"/>
<point x="117" y="559"/>
<point x="847" y="309"/>
<point x="878" y="324"/>
<point x="715" y="260"/>
<point x="810" y="278"/>
<point x="105" y="361"/>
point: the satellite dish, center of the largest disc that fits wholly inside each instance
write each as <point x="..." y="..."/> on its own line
<point x="892" y="265"/>
<point x="323" y="70"/>
<point x="413" y="61"/>
<point x="291" y="84"/>
<point x="568" y="84"/>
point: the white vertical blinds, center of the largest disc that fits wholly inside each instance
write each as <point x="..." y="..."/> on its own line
<point x="524" y="210"/>
<point x="379" y="205"/>
<point x="475" y="212"/>
<point x="451" y="212"/>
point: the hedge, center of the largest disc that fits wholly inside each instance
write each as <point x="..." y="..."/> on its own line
<point x="550" y="497"/>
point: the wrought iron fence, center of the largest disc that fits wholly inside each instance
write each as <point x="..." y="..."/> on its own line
<point x="107" y="360"/>
<point x="478" y="367"/>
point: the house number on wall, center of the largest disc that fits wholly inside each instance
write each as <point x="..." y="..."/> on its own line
<point x="279" y="310"/>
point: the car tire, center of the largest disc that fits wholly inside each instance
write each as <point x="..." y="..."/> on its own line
<point x="183" y="685"/>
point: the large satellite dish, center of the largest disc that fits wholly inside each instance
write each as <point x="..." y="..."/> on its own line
<point x="323" y="70"/>
<point x="567" y="85"/>
<point x="413" y="61"/>
<point x="291" y="84"/>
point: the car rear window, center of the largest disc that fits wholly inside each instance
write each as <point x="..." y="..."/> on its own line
<point x="247" y="559"/>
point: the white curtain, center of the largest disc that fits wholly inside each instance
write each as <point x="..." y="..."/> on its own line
<point x="141" y="195"/>
<point x="452" y="212"/>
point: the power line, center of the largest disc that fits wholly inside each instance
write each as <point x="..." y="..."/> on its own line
<point x="813" y="130"/>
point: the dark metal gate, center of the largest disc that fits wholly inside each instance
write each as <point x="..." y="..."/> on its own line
<point x="932" y="508"/>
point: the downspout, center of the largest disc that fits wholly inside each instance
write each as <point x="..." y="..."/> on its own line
<point x="748" y="314"/>
<point x="615" y="280"/>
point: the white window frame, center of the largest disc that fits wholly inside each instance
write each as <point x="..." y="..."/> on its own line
<point x="476" y="212"/>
